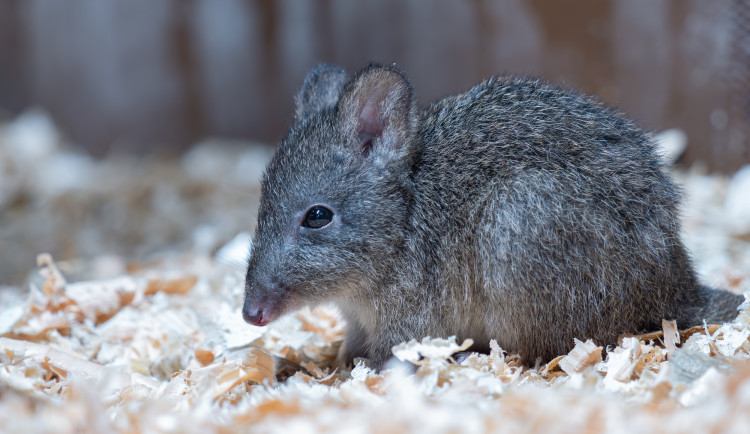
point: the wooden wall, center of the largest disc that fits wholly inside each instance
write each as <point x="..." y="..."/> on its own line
<point x="141" y="75"/>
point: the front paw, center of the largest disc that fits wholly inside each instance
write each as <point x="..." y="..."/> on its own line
<point x="348" y="359"/>
<point x="460" y="356"/>
<point x="349" y="355"/>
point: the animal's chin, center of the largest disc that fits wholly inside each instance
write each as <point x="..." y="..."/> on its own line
<point x="263" y="310"/>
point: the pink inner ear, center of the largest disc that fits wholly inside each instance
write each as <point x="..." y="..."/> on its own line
<point x="371" y="124"/>
<point x="365" y="141"/>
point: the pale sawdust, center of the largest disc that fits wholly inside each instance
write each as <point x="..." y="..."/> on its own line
<point x="165" y="350"/>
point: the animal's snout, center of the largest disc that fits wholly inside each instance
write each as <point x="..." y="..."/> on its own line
<point x="261" y="310"/>
<point x="255" y="315"/>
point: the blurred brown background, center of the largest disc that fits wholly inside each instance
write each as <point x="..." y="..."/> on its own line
<point x="143" y="75"/>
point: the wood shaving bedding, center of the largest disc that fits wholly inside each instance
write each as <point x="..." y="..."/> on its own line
<point x="143" y="353"/>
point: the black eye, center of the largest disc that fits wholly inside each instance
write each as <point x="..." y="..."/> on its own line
<point x="317" y="217"/>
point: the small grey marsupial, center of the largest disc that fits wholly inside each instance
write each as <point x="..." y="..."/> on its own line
<point x="515" y="211"/>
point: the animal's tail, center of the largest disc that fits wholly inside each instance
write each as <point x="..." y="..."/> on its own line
<point x="720" y="306"/>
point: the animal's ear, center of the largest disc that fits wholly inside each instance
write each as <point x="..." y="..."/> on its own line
<point x="377" y="109"/>
<point x="321" y="90"/>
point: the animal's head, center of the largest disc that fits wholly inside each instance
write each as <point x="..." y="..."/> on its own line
<point x="336" y="196"/>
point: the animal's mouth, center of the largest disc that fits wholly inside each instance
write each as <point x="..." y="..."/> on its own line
<point x="258" y="318"/>
<point x="261" y="312"/>
<point x="264" y="310"/>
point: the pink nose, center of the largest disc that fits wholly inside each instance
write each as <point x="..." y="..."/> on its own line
<point x="255" y="315"/>
<point x="263" y="304"/>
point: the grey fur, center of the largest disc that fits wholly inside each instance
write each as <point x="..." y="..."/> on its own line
<point x="320" y="90"/>
<point x="515" y="211"/>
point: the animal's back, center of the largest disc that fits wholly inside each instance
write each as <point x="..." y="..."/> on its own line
<point x="506" y="126"/>
<point x="560" y="212"/>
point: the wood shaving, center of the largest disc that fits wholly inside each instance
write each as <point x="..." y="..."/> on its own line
<point x="671" y="335"/>
<point x="204" y="357"/>
<point x="583" y="355"/>
<point x="162" y="361"/>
